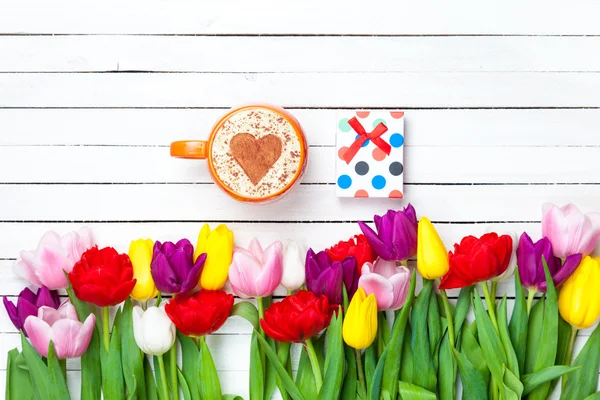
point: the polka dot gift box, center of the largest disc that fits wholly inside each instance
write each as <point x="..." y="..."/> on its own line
<point x="370" y="154"/>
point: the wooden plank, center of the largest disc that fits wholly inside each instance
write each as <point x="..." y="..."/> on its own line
<point x="319" y="54"/>
<point x="401" y="90"/>
<point x="495" y="203"/>
<point x="453" y="164"/>
<point x="307" y="17"/>
<point x="158" y="127"/>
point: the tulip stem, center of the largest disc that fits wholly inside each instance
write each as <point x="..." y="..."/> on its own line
<point x="105" y="328"/>
<point x="448" y="312"/>
<point x="530" y="298"/>
<point x="314" y="361"/>
<point x="569" y="354"/>
<point x="361" y="374"/>
<point x="173" y="371"/>
<point x="163" y="376"/>
<point x="494" y="290"/>
<point x="261" y="314"/>
<point x="490" y="304"/>
<point x="63" y="366"/>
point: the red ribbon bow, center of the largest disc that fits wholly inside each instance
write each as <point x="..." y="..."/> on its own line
<point x="363" y="136"/>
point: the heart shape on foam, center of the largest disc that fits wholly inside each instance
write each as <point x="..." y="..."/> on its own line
<point x="255" y="156"/>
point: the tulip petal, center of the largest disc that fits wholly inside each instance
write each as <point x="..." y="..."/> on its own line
<point x="50" y="263"/>
<point x="26" y="270"/>
<point x="24" y="310"/>
<point x="380" y="287"/>
<point x="164" y="277"/>
<point x="65" y="334"/>
<point x="376" y="242"/>
<point x="256" y="250"/>
<point x="11" y="310"/>
<point x="201" y="243"/>
<point x="567" y="269"/>
<point x="350" y="275"/>
<point x="40" y="334"/>
<point x="85" y="335"/>
<point x="400" y="283"/>
<point x="556" y="228"/>
<point x="243" y="273"/>
<point x="193" y="275"/>
<point x="272" y="271"/>
<point x="385" y="268"/>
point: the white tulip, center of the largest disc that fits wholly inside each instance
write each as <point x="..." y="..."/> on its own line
<point x="293" y="266"/>
<point x="153" y="330"/>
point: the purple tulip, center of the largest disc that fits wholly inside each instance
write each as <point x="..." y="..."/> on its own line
<point x="29" y="303"/>
<point x="531" y="267"/>
<point x="396" y="237"/>
<point x="326" y="277"/>
<point x="173" y="268"/>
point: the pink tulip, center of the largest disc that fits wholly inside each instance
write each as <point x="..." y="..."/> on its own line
<point x="569" y="230"/>
<point x="54" y="254"/>
<point x="70" y="337"/>
<point x="388" y="282"/>
<point x="254" y="272"/>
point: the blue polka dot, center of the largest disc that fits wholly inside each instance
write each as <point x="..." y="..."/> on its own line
<point x="378" y="182"/>
<point x="396" y="140"/>
<point x="344" y="181"/>
<point x="365" y="144"/>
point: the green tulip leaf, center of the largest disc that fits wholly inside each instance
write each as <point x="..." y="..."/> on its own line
<point x="534" y="332"/>
<point x="491" y="345"/>
<point x="424" y="374"/>
<point x="513" y="388"/>
<point x="56" y="374"/>
<point x="534" y="380"/>
<point x="151" y="393"/>
<point x="408" y="391"/>
<point x="159" y="381"/>
<point x="113" y="386"/>
<point x="511" y="356"/>
<point x="90" y="373"/>
<point x="131" y="355"/>
<point x="406" y="366"/>
<point x="18" y="381"/>
<point x="247" y="311"/>
<point x="270" y="374"/>
<point x="132" y="393"/>
<point x="305" y="379"/>
<point x="564" y="335"/>
<point x="548" y="338"/>
<point x="43" y="385"/>
<point x="350" y="378"/>
<point x="286" y="380"/>
<point x="187" y="395"/>
<point x="473" y="381"/>
<point x="370" y="364"/>
<point x="595" y="396"/>
<point x="434" y="327"/>
<point x="517" y="327"/>
<point x="462" y="308"/>
<point x="334" y="360"/>
<point x="472" y="351"/>
<point x="190" y="362"/>
<point x="232" y="397"/>
<point x="283" y="353"/>
<point x="210" y="387"/>
<point x="375" y="385"/>
<point x="393" y="359"/>
<point x="584" y="381"/>
<point x="447" y="369"/>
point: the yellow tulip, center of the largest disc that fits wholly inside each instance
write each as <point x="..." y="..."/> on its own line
<point x="578" y="301"/>
<point x="432" y="256"/>
<point x="218" y="246"/>
<point x="140" y="253"/>
<point x="360" y="322"/>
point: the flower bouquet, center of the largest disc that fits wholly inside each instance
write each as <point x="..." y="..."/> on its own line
<point x="356" y="322"/>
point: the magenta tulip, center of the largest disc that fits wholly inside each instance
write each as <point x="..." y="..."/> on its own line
<point x="70" y="337"/>
<point x="55" y="255"/>
<point x="256" y="272"/>
<point x="569" y="230"/>
<point x="388" y="282"/>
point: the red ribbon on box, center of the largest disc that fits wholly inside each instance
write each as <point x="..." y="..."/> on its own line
<point x="363" y="136"/>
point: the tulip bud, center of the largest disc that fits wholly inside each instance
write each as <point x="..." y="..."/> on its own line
<point x="218" y="246"/>
<point x="293" y="266"/>
<point x="432" y="256"/>
<point x="140" y="253"/>
<point x="578" y="299"/>
<point x="256" y="272"/>
<point x="512" y="263"/>
<point x="153" y="330"/>
<point x="360" y="322"/>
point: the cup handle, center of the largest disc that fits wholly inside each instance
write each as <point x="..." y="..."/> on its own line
<point x="192" y="149"/>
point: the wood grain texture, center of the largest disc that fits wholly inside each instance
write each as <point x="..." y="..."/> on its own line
<point x="502" y="104"/>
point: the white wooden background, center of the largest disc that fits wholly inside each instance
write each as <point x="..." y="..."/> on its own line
<point x="502" y="106"/>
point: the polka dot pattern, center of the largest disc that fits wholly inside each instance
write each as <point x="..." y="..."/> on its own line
<point x="361" y="168"/>
<point x="365" y="144"/>
<point x="344" y="126"/>
<point x="379" y="121"/>
<point x="342" y="151"/>
<point x="378" y="182"/>
<point x="378" y="154"/>
<point x="344" y="181"/>
<point x="395" y="194"/>
<point x="361" y="193"/>
<point x="396" y="168"/>
<point x="362" y="114"/>
<point x="396" y="140"/>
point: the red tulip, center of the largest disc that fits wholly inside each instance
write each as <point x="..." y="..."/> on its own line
<point x="102" y="277"/>
<point x="475" y="260"/>
<point x="357" y="247"/>
<point x="200" y="313"/>
<point x="298" y="317"/>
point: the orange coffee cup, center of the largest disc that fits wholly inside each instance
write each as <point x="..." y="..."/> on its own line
<point x="256" y="153"/>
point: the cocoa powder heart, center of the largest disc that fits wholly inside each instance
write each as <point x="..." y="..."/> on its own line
<point x="255" y="156"/>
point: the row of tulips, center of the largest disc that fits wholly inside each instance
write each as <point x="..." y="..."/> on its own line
<point x="364" y="331"/>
